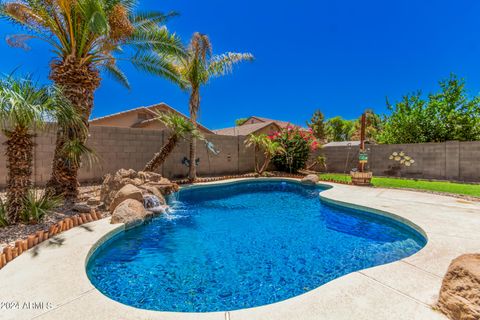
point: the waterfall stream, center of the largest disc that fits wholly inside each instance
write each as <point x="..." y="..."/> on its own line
<point x="152" y="203"/>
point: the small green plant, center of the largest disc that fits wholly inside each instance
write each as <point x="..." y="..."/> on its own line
<point x="320" y="161"/>
<point x="36" y="207"/>
<point x="3" y="215"/>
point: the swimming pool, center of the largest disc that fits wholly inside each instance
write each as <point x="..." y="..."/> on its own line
<point x="243" y="245"/>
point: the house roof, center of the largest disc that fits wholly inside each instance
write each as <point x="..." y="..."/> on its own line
<point x="113" y="115"/>
<point x="280" y="123"/>
<point x="149" y="109"/>
<point x="244" y="130"/>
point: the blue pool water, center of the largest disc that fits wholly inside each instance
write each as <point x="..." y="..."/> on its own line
<point x="243" y="245"/>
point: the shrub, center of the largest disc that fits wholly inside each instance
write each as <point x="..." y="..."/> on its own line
<point x="36" y="207"/>
<point x="297" y="144"/>
<point x="3" y="215"/>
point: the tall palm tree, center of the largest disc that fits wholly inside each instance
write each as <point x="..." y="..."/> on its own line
<point x="180" y="128"/>
<point x="196" y="68"/>
<point x="24" y="107"/>
<point x="87" y="37"/>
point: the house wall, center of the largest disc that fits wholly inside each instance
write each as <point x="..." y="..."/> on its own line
<point x="125" y="120"/>
<point x="452" y="160"/>
<point x="268" y="130"/>
<point x="128" y="119"/>
<point x="157" y="125"/>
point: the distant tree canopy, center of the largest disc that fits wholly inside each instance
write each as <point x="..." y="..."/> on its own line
<point x="447" y="115"/>
<point x="339" y="129"/>
<point x="317" y="124"/>
<point x="240" y="121"/>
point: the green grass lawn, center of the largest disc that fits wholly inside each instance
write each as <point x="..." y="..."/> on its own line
<point x="438" y="186"/>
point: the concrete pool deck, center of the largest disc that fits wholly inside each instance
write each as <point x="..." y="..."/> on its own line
<point x="50" y="281"/>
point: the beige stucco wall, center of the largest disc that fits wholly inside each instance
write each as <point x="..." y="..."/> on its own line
<point x="119" y="148"/>
<point x="268" y="130"/>
<point x="124" y="120"/>
<point x="128" y="119"/>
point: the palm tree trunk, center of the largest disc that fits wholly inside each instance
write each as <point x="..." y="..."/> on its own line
<point x="160" y="157"/>
<point x="78" y="82"/>
<point x="194" y="106"/>
<point x="265" y="164"/>
<point x="255" y="158"/>
<point x="19" y="154"/>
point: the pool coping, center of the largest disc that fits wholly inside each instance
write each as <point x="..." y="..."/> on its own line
<point x="404" y="289"/>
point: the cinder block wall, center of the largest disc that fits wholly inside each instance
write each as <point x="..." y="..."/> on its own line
<point x="451" y="160"/>
<point x="132" y="148"/>
<point x="119" y="148"/>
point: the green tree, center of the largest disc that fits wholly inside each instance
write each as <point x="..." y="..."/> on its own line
<point x="196" y="68"/>
<point x="339" y="129"/>
<point x="446" y="115"/>
<point x="317" y="124"/>
<point x="24" y="108"/>
<point x="87" y="37"/>
<point x="180" y="128"/>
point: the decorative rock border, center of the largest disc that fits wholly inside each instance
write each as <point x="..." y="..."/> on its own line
<point x="22" y="245"/>
<point x="336" y="181"/>
<point x="239" y="176"/>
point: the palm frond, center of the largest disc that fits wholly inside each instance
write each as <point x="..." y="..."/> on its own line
<point x="151" y="18"/>
<point x="157" y="38"/>
<point x="3" y="214"/>
<point x="95" y="31"/>
<point x="224" y="63"/>
<point x="22" y="103"/>
<point x="78" y="154"/>
<point x="37" y="206"/>
<point x="114" y="71"/>
<point x="156" y="64"/>
<point x="179" y="125"/>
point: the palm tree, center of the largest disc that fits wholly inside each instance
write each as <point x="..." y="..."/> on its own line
<point x="87" y="37"/>
<point x="180" y="128"/>
<point x="196" y="68"/>
<point x="270" y="148"/>
<point x="24" y="107"/>
<point x="256" y="141"/>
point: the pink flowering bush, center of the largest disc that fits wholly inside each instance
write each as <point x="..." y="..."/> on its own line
<point x="297" y="143"/>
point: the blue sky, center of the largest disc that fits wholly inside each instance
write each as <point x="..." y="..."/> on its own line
<point x="337" y="56"/>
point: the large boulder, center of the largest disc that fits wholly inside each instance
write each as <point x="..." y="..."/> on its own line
<point x="311" y="179"/>
<point x="145" y="181"/>
<point x="130" y="212"/>
<point x="128" y="191"/>
<point x="156" y="192"/>
<point x="460" y="293"/>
